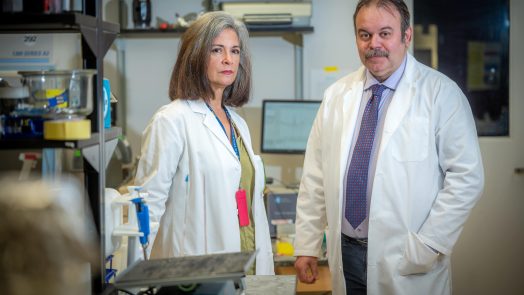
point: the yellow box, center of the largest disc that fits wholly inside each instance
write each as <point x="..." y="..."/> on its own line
<point x="67" y="129"/>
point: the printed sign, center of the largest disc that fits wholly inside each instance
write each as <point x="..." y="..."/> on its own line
<point x="26" y="52"/>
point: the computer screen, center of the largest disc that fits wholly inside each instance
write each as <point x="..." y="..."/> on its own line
<point x="281" y="208"/>
<point x="286" y="125"/>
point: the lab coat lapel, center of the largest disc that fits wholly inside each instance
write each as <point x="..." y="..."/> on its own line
<point x="350" y="107"/>
<point x="400" y="103"/>
<point x="246" y="140"/>
<point x="243" y="133"/>
<point x="210" y="121"/>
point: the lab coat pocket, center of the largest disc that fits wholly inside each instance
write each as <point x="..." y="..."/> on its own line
<point x="412" y="140"/>
<point x="418" y="258"/>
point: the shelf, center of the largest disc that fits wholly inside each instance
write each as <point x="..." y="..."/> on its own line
<point x="279" y="29"/>
<point x="39" y="22"/>
<point x="24" y="23"/>
<point x="37" y="143"/>
<point x="97" y="37"/>
<point x="258" y="30"/>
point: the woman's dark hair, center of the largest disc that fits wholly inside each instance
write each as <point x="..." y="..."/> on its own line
<point x="189" y="77"/>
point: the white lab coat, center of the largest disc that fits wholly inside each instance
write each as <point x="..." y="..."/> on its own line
<point x="192" y="173"/>
<point x="428" y="177"/>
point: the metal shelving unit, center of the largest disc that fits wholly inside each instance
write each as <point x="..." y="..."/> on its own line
<point x="97" y="37"/>
<point x="36" y="143"/>
<point x="16" y="22"/>
<point x="255" y="30"/>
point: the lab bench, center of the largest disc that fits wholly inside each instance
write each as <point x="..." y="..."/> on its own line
<point x="284" y="266"/>
<point x="276" y="285"/>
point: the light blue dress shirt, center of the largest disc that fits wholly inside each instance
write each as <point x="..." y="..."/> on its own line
<point x="391" y="83"/>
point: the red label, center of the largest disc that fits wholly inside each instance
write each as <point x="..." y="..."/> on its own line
<point x="243" y="216"/>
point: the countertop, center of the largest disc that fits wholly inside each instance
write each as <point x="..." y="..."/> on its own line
<point x="276" y="285"/>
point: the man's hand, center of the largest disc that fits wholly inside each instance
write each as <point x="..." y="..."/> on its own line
<point x="306" y="267"/>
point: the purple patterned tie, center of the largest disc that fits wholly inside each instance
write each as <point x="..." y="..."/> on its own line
<point x="357" y="178"/>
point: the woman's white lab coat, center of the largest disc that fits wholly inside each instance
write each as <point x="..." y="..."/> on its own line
<point x="428" y="177"/>
<point x="192" y="173"/>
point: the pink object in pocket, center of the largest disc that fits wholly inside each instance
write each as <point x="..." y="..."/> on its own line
<point x="243" y="216"/>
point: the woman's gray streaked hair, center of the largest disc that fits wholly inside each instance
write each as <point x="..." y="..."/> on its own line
<point x="189" y="77"/>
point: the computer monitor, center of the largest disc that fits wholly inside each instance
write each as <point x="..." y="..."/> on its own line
<point x="281" y="208"/>
<point x="286" y="125"/>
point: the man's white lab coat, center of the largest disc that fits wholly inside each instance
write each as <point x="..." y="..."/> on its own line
<point x="428" y="177"/>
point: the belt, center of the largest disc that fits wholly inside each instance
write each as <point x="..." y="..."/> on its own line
<point x="358" y="241"/>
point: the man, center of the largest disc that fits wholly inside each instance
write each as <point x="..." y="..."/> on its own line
<point x="392" y="168"/>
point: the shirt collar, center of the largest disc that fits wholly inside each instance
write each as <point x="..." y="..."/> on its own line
<point x="391" y="82"/>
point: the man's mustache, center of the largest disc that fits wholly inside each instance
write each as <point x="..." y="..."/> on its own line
<point x="376" y="53"/>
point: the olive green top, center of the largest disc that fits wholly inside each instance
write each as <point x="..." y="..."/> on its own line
<point x="247" y="233"/>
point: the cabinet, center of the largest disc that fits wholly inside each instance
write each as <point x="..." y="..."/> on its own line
<point x="97" y="37"/>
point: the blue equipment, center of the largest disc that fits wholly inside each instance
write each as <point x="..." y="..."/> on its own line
<point x="142" y="213"/>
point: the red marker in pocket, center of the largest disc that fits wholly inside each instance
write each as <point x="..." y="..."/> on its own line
<point x="243" y="216"/>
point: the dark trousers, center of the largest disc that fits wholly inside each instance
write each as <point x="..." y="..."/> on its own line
<point x="354" y="262"/>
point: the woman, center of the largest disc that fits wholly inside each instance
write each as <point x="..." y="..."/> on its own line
<point x="196" y="151"/>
